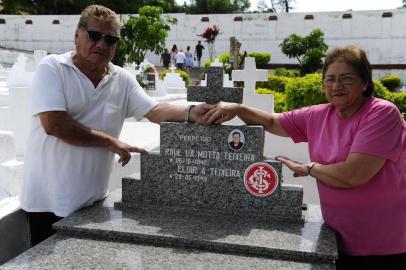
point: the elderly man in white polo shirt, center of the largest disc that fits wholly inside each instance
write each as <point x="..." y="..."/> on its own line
<point x="79" y="103"/>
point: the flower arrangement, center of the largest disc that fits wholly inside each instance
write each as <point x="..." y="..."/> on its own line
<point x="147" y="68"/>
<point x="210" y="34"/>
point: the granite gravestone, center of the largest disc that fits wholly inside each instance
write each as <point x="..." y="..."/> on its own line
<point x="213" y="168"/>
<point x="214" y="92"/>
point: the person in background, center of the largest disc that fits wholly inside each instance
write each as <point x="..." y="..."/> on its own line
<point x="174" y="52"/>
<point x="199" y="52"/>
<point x="165" y="58"/>
<point x="180" y="60"/>
<point x="357" y="145"/>
<point x="79" y="103"/>
<point x="189" y="59"/>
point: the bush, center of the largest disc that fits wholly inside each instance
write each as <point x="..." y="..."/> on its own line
<point x="380" y="90"/>
<point x="275" y="82"/>
<point x="304" y="91"/>
<point x="292" y="73"/>
<point x="391" y="82"/>
<point x="224" y="58"/>
<point x="206" y="65"/>
<point x="279" y="99"/>
<point x="185" y="76"/>
<point x="399" y="99"/>
<point x="261" y="59"/>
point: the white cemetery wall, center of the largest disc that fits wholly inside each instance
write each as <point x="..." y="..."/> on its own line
<point x="43" y="34"/>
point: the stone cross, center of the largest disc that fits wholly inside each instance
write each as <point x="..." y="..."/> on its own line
<point x="263" y="102"/>
<point x="214" y="92"/>
<point x="172" y="68"/>
<point x="249" y="75"/>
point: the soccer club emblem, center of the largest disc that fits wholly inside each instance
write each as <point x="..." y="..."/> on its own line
<point x="260" y="179"/>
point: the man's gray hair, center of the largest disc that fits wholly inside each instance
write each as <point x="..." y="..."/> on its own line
<point x="101" y="13"/>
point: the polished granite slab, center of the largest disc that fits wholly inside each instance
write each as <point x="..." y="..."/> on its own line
<point x="63" y="252"/>
<point x="310" y="241"/>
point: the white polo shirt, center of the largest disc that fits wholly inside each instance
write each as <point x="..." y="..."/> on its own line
<point x="60" y="177"/>
<point x="180" y="58"/>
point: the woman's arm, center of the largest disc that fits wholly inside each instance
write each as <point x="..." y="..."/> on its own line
<point x="223" y="112"/>
<point x="356" y="170"/>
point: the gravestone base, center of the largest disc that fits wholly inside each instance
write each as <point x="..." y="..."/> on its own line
<point x="309" y="243"/>
<point x="288" y="209"/>
<point x="102" y="237"/>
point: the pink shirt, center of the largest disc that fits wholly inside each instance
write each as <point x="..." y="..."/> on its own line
<point x="370" y="219"/>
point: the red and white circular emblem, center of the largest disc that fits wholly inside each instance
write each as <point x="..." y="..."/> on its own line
<point x="261" y="179"/>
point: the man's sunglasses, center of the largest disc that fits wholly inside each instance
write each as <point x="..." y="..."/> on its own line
<point x="96" y="36"/>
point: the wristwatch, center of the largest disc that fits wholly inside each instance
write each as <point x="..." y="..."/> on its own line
<point x="310" y="167"/>
<point x="187" y="113"/>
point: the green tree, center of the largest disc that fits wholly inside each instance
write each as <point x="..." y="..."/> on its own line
<point x="217" y="6"/>
<point x="403" y="3"/>
<point x="76" y="6"/>
<point x="146" y="32"/>
<point x="282" y="5"/>
<point x="308" y="50"/>
<point x="15" y="7"/>
<point x="263" y="6"/>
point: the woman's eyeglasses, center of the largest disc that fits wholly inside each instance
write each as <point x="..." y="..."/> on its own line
<point x="344" y="80"/>
<point x="96" y="36"/>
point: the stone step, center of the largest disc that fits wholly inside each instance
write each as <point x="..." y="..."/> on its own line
<point x="61" y="252"/>
<point x="11" y="174"/>
<point x="310" y="242"/>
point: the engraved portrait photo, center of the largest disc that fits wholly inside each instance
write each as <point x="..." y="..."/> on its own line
<point x="236" y="139"/>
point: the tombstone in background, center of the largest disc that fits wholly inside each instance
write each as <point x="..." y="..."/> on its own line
<point x="5" y="123"/>
<point x="11" y="169"/>
<point x="214" y="92"/>
<point x="226" y="77"/>
<point x="235" y="46"/>
<point x="174" y="83"/>
<point x="132" y="68"/>
<point x="19" y="83"/>
<point x="160" y="87"/>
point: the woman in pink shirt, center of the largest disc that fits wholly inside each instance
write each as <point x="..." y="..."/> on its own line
<point x="357" y="144"/>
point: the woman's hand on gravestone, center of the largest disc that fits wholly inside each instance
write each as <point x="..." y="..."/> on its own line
<point x="198" y="112"/>
<point x="124" y="150"/>
<point x="221" y="112"/>
<point x="299" y="169"/>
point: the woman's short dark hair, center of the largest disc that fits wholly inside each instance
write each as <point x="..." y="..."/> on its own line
<point x="357" y="59"/>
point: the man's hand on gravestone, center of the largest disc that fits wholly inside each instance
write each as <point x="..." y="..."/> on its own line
<point x="221" y="112"/>
<point x="299" y="169"/>
<point x="124" y="150"/>
<point x="198" y="112"/>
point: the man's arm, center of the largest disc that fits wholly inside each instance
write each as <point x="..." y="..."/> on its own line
<point x="59" y="124"/>
<point x="167" y="112"/>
